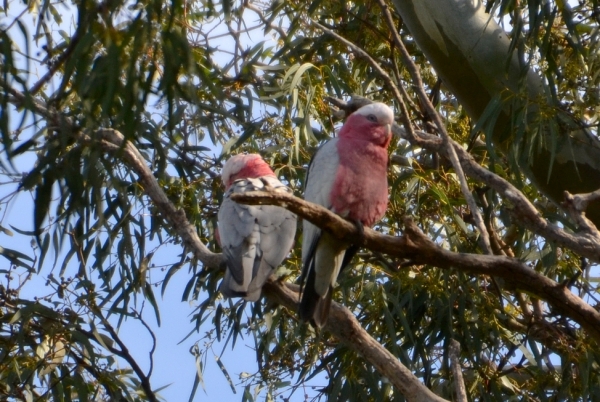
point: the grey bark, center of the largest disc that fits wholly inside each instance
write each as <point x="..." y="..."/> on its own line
<point x="471" y="54"/>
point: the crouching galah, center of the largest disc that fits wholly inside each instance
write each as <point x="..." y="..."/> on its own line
<point x="255" y="238"/>
<point x="347" y="175"/>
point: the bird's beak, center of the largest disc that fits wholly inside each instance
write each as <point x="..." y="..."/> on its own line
<point x="395" y="132"/>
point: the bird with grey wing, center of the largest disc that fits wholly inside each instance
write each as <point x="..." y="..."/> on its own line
<point x="255" y="239"/>
<point x="347" y="175"/>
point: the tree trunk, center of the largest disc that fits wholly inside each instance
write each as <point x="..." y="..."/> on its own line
<point x="471" y="54"/>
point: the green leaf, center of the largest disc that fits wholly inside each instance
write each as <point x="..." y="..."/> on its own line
<point x="225" y="373"/>
<point x="15" y="257"/>
<point x="150" y="296"/>
<point x="174" y="269"/>
<point x="43" y="197"/>
<point x="298" y="74"/>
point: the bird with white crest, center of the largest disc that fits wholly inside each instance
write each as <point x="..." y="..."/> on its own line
<point x="347" y="175"/>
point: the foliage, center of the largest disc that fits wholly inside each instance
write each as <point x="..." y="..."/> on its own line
<point x="186" y="81"/>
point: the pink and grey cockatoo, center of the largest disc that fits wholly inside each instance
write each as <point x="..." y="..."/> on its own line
<point x="255" y="238"/>
<point x="347" y="175"/>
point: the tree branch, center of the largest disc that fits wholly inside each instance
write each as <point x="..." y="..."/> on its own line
<point x="586" y="243"/>
<point x="114" y="142"/>
<point x="342" y="323"/>
<point x="398" y="91"/>
<point x="344" y="326"/>
<point x="576" y="205"/>
<point x="459" y="383"/>
<point x="448" y="143"/>
<point x="400" y="94"/>
<point x="123" y="351"/>
<point x="417" y="247"/>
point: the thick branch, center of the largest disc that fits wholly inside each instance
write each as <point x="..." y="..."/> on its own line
<point x="417" y="247"/>
<point x="344" y="326"/>
<point x="472" y="55"/>
<point x="441" y="128"/>
<point x="342" y="323"/>
<point x="587" y="243"/>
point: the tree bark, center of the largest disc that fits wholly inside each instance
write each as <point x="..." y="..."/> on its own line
<point x="471" y="54"/>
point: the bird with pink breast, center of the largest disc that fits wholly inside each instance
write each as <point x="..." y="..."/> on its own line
<point x="347" y="175"/>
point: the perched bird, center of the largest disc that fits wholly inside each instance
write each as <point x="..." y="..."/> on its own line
<point x="347" y="175"/>
<point x="255" y="238"/>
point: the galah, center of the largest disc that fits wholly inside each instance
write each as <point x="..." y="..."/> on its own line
<point x="255" y="238"/>
<point x="347" y="175"/>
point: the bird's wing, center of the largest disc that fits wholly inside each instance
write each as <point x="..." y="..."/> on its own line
<point x="319" y="183"/>
<point x="239" y="237"/>
<point x="277" y="227"/>
<point x="277" y="232"/>
<point x="254" y="239"/>
<point x="321" y="254"/>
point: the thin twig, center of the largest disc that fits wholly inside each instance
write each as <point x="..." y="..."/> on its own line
<point x="153" y="349"/>
<point x="576" y="204"/>
<point x="581" y="201"/>
<point x="433" y="114"/>
<point x="56" y="64"/>
<point x="587" y="243"/>
<point x="459" y="382"/>
<point x="265" y="21"/>
<point x="124" y="353"/>
<point x="398" y="92"/>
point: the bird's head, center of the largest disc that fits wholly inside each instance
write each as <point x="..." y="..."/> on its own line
<point x="372" y="123"/>
<point x="244" y="166"/>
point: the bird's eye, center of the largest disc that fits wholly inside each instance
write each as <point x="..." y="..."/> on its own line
<point x="372" y="118"/>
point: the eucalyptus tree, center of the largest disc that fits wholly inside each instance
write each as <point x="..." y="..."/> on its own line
<point x="481" y="280"/>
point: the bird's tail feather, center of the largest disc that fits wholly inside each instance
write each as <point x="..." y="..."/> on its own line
<point x="229" y="289"/>
<point x="314" y="307"/>
<point x="321" y="313"/>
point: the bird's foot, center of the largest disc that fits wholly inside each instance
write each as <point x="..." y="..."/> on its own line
<point x="267" y="186"/>
<point x="360" y="228"/>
